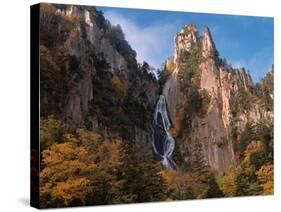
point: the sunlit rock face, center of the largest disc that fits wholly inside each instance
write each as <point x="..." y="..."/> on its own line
<point x="208" y="46"/>
<point x="220" y="82"/>
<point x="92" y="48"/>
<point x="173" y="95"/>
<point x="79" y="44"/>
<point x="186" y="39"/>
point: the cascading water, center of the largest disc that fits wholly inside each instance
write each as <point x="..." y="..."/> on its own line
<point x="163" y="143"/>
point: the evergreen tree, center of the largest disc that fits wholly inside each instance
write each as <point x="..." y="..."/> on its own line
<point x="213" y="190"/>
<point x="205" y="175"/>
<point x="140" y="180"/>
<point x="246" y="181"/>
<point x="200" y="166"/>
<point x="153" y="183"/>
<point x="129" y="173"/>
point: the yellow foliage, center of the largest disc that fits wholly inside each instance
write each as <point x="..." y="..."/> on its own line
<point x="69" y="138"/>
<point x="120" y="86"/>
<point x="51" y="130"/>
<point x="72" y="189"/>
<point x="168" y="175"/>
<point x="73" y="170"/>
<point x="266" y="178"/>
<point x="47" y="8"/>
<point x="180" y="185"/>
<point x="227" y="183"/>
<point x="169" y="66"/>
<point x="59" y="153"/>
<point x="70" y="167"/>
<point x="102" y="151"/>
<point x="47" y="60"/>
<point x="114" y="148"/>
<point x="89" y="137"/>
<point x="61" y="179"/>
<point x="254" y="147"/>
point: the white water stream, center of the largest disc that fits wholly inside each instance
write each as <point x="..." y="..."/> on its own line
<point x="163" y="144"/>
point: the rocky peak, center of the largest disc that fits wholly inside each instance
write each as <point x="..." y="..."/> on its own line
<point x="68" y="10"/>
<point x="186" y="39"/>
<point x="245" y="79"/>
<point x="208" y="46"/>
<point x="218" y="82"/>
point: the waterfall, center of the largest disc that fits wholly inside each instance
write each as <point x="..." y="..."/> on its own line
<point x="163" y="143"/>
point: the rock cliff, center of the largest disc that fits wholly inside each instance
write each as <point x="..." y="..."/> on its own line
<point x="90" y="79"/>
<point x="219" y="84"/>
<point x="102" y="87"/>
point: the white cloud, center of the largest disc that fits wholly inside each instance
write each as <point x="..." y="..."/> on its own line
<point x="154" y="43"/>
<point x="149" y="42"/>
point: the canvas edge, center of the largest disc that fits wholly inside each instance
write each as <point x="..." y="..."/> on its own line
<point x="34" y="105"/>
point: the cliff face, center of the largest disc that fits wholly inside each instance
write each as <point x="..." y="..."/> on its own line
<point x="90" y="78"/>
<point x="102" y="86"/>
<point x="220" y="84"/>
<point x="77" y="45"/>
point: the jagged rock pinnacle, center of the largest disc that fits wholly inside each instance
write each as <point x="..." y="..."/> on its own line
<point x="208" y="45"/>
<point x="186" y="39"/>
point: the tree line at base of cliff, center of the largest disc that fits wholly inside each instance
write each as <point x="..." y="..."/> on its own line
<point x="83" y="167"/>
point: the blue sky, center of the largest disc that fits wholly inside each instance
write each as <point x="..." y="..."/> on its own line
<point x="245" y="41"/>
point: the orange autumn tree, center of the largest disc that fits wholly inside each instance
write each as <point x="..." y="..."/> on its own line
<point x="180" y="185"/>
<point x="62" y="180"/>
<point x="266" y="178"/>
